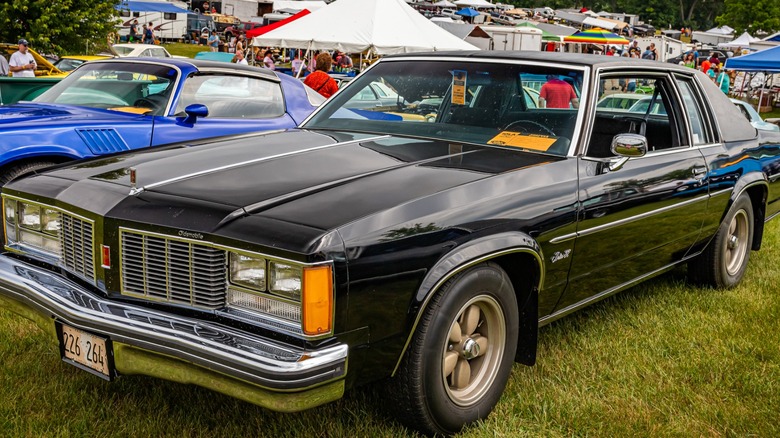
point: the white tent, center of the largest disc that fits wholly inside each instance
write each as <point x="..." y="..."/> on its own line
<point x="444" y="4"/>
<point x="382" y="27"/>
<point x="723" y="30"/>
<point x="743" y="40"/>
<point x="475" y="4"/>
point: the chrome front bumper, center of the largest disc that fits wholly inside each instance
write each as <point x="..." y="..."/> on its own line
<point x="277" y="376"/>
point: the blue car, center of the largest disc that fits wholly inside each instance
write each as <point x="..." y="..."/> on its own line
<point x="114" y="105"/>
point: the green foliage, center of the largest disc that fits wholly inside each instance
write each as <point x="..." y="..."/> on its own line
<point x="58" y="26"/>
<point x="751" y="15"/>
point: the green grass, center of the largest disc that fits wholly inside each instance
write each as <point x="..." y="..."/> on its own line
<point x="188" y="50"/>
<point x="662" y="359"/>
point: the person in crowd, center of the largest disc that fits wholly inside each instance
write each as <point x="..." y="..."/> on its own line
<point x="610" y="51"/>
<point x="3" y="66"/>
<point x="133" y="32"/>
<point x="22" y="64"/>
<point x="239" y="58"/>
<point x="231" y="45"/>
<point x="714" y="60"/>
<point x="723" y="80"/>
<point x="320" y="81"/>
<point x="705" y="66"/>
<point x="268" y="60"/>
<point x="296" y="64"/>
<point x="633" y="48"/>
<point x="149" y="33"/>
<point x="556" y="93"/>
<point x="345" y="62"/>
<point x="689" y="60"/>
<point x="213" y="42"/>
<point x="647" y="54"/>
<point x="241" y="43"/>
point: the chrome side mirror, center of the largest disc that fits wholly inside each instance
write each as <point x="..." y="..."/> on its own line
<point x="627" y="146"/>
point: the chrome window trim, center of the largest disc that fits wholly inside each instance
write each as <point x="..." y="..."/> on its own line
<point x="617" y="223"/>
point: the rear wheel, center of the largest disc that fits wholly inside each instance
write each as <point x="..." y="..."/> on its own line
<point x="461" y="355"/>
<point x="724" y="261"/>
<point x="18" y="170"/>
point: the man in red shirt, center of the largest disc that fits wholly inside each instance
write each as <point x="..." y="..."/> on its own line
<point x="705" y="65"/>
<point x="556" y="93"/>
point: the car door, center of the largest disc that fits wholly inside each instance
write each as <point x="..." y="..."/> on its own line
<point x="236" y="104"/>
<point x="644" y="216"/>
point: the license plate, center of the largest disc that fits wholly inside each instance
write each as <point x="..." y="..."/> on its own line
<point x="87" y="351"/>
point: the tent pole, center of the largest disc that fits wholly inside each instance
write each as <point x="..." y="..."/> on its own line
<point x="305" y="57"/>
<point x="761" y="95"/>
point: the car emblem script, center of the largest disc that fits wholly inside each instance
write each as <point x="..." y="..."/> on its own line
<point x="190" y="235"/>
<point x="560" y="255"/>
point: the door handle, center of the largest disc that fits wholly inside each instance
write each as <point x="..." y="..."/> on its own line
<point x="699" y="172"/>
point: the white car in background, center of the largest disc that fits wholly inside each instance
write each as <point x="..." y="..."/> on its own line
<point x="141" y="50"/>
<point x="755" y="119"/>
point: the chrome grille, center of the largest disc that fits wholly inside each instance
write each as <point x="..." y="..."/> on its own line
<point x="171" y="270"/>
<point x="77" y="248"/>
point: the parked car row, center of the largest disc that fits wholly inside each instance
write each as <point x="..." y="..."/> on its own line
<point x="373" y="242"/>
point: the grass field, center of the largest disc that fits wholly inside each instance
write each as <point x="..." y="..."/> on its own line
<point x="661" y="359"/>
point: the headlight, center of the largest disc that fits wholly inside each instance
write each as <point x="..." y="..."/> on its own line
<point x="286" y="280"/>
<point x="247" y="271"/>
<point x="33" y="225"/>
<point x="298" y="294"/>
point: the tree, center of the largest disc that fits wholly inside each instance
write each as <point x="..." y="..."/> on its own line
<point x="751" y="15"/>
<point x="58" y="26"/>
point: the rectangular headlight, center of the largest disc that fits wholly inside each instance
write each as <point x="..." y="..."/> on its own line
<point x="247" y="271"/>
<point x="285" y="280"/>
<point x="32" y="225"/>
<point x="263" y="304"/>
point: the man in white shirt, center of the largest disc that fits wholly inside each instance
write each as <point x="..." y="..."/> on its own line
<point x="3" y="66"/>
<point x="22" y="64"/>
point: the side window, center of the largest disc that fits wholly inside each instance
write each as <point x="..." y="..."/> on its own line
<point x="233" y="97"/>
<point x="634" y="104"/>
<point x="159" y="52"/>
<point x="146" y="53"/>
<point x="699" y="132"/>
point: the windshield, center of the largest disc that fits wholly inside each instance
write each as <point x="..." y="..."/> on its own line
<point x="130" y="87"/>
<point x="513" y="105"/>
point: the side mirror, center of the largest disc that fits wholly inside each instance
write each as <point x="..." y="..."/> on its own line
<point x="194" y="111"/>
<point x="627" y="146"/>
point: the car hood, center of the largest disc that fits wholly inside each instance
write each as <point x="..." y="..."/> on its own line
<point x="35" y="113"/>
<point x="311" y="181"/>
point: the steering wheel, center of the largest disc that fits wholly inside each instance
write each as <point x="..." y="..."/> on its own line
<point x="536" y="126"/>
<point x="151" y="102"/>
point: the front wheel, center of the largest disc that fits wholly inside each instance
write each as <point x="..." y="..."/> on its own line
<point x="18" y="170"/>
<point x="723" y="263"/>
<point x="461" y="355"/>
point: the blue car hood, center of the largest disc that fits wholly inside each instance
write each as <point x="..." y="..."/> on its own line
<point x="34" y="113"/>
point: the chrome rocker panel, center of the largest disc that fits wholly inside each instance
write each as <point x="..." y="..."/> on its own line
<point x="277" y="376"/>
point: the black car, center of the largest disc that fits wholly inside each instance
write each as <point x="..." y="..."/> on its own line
<point x="284" y="268"/>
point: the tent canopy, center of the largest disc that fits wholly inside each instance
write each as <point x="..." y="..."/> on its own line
<point x="380" y="26"/>
<point x="468" y="12"/>
<point x="444" y="4"/>
<point x="546" y="36"/>
<point x="766" y="60"/>
<point x="140" y="6"/>
<point x="743" y="40"/>
<point x="595" y="36"/>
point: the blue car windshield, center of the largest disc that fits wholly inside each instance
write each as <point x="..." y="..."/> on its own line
<point x="502" y="104"/>
<point x="130" y="87"/>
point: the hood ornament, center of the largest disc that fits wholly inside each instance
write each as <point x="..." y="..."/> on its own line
<point x="134" y="190"/>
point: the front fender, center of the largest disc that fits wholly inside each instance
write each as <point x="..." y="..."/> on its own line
<point x="467" y="255"/>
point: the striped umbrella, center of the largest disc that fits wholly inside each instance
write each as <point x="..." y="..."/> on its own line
<point x="595" y="36"/>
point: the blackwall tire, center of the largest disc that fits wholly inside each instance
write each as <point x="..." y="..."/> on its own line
<point x="461" y="355"/>
<point x="18" y="170"/>
<point x="724" y="262"/>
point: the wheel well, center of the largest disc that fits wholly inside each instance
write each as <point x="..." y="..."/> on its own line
<point x="44" y="158"/>
<point x="524" y="272"/>
<point x="757" y="196"/>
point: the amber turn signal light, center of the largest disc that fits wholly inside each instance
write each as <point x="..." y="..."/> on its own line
<point x="317" y="300"/>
